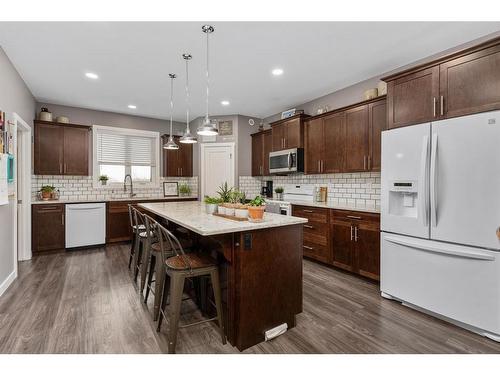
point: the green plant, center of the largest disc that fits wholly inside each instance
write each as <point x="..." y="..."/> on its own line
<point x="47" y="189"/>
<point x="257" y="201"/>
<point x="237" y="197"/>
<point x="184" y="189"/>
<point x="279" y="190"/>
<point x="212" y="200"/>
<point x="225" y="192"/>
<point x="103" y="178"/>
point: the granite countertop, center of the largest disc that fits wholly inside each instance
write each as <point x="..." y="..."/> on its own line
<point x="336" y="206"/>
<point x="143" y="199"/>
<point x="192" y="216"/>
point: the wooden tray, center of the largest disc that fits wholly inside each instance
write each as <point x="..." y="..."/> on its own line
<point x="230" y="217"/>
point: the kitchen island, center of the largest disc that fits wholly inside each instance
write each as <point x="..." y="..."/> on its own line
<point x="260" y="266"/>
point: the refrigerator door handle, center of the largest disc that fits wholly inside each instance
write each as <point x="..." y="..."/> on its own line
<point x="417" y="245"/>
<point x="433" y="184"/>
<point x="424" y="201"/>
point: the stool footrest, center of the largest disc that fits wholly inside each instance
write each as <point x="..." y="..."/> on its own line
<point x="196" y="323"/>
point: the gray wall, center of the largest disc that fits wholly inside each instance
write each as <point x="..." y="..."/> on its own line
<point x="14" y="97"/>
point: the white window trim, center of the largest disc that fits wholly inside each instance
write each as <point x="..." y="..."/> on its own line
<point x="144" y="133"/>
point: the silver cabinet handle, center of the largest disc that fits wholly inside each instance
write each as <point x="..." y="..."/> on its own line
<point x="364" y="162"/>
<point x="62" y="219"/>
<point x="441" y="105"/>
<point x="308" y="211"/>
<point x="354" y="217"/>
<point x="434" y="102"/>
<point x="356" y="234"/>
<point x="308" y="226"/>
<point x="351" y="232"/>
<point x="322" y="166"/>
<point x="307" y="247"/>
<point x="319" y="166"/>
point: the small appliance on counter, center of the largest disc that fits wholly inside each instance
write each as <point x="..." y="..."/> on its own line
<point x="267" y="190"/>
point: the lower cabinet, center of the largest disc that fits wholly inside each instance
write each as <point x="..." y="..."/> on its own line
<point x="118" y="227"/>
<point x="48" y="227"/>
<point x="349" y="240"/>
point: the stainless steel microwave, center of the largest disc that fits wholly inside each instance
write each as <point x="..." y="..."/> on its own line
<point x="287" y="161"/>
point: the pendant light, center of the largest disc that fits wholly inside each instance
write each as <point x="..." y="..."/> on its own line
<point x="171" y="145"/>
<point x="207" y="127"/>
<point x="187" y="137"/>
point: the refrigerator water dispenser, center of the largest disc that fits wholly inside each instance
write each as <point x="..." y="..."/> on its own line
<point x="403" y="196"/>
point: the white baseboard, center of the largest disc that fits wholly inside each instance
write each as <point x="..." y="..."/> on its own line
<point x="6" y="283"/>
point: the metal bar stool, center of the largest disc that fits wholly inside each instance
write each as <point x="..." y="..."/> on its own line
<point x="143" y="245"/>
<point x="178" y="268"/>
<point x="135" y="233"/>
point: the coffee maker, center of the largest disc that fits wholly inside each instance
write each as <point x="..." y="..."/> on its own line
<point x="267" y="190"/>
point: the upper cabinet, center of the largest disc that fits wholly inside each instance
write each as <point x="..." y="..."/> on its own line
<point x="377" y="122"/>
<point x="61" y="149"/>
<point x="178" y="163"/>
<point x="288" y="133"/>
<point x="356" y="145"/>
<point x="261" y="147"/>
<point x="462" y="83"/>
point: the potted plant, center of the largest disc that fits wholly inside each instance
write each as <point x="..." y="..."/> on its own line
<point x="238" y="198"/>
<point x="256" y="208"/>
<point x="211" y="204"/>
<point x="184" y="190"/>
<point x="104" y="179"/>
<point x="47" y="192"/>
<point x="279" y="193"/>
<point x="224" y="193"/>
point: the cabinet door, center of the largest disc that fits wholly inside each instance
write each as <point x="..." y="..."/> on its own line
<point x="471" y="83"/>
<point x="48" y="227"/>
<point x="170" y="161"/>
<point x="76" y="151"/>
<point x="356" y="152"/>
<point x="49" y="149"/>
<point x="342" y="245"/>
<point x="294" y="133"/>
<point x="413" y="99"/>
<point x="334" y="143"/>
<point x="185" y="160"/>
<point x="257" y="154"/>
<point x="118" y="222"/>
<point x="278" y="134"/>
<point x="368" y="251"/>
<point x="377" y="122"/>
<point x="268" y="145"/>
<point x="314" y="142"/>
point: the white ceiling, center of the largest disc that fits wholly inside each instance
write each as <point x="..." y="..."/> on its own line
<point x="133" y="61"/>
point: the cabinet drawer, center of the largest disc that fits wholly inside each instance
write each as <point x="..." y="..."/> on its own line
<point x="316" y="214"/>
<point x="356" y="217"/>
<point x="317" y="252"/>
<point x="316" y="233"/>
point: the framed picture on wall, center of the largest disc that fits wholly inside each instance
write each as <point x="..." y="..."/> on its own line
<point x="170" y="189"/>
<point x="226" y="127"/>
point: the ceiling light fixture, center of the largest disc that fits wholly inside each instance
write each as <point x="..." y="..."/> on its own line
<point x="225" y="102"/>
<point x="171" y="145"/>
<point x="187" y="137"/>
<point x="277" y="72"/>
<point x="91" y="75"/>
<point x="208" y="127"/>
<point x="131" y="106"/>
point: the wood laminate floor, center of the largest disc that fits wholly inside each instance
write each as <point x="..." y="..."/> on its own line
<point x="85" y="302"/>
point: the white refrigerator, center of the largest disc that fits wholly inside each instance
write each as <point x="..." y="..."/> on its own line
<point x="440" y="219"/>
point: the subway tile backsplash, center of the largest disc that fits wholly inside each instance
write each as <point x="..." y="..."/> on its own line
<point x="80" y="188"/>
<point x="356" y="189"/>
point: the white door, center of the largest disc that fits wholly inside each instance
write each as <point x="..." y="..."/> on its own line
<point x="405" y="160"/>
<point x="217" y="167"/>
<point x="465" y="180"/>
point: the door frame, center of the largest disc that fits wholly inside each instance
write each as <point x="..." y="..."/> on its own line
<point x="203" y="148"/>
<point x="22" y="233"/>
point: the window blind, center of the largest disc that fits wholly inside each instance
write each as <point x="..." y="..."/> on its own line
<point x="124" y="149"/>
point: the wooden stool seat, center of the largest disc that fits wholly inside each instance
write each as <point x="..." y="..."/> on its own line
<point x="140" y="227"/>
<point x="186" y="244"/>
<point x="191" y="260"/>
<point x="145" y="234"/>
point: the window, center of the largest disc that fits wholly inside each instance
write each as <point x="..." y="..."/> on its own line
<point x="118" y="152"/>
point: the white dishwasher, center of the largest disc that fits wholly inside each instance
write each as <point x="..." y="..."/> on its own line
<point x="85" y="224"/>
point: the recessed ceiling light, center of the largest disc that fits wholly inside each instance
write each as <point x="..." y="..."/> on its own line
<point x="131" y="106"/>
<point x="225" y="102"/>
<point x="277" y="72"/>
<point x="91" y="75"/>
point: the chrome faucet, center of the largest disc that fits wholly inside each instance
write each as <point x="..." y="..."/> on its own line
<point x="131" y="185"/>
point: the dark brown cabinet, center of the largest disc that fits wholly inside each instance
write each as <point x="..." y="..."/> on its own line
<point x="356" y="242"/>
<point x="118" y="227"/>
<point x="178" y="163"/>
<point x="458" y="84"/>
<point x="61" y="149"/>
<point x="356" y="140"/>
<point x="48" y="227"/>
<point x="288" y="133"/>
<point x="261" y="147"/>
<point x="316" y="232"/>
<point x="377" y="112"/>
<point x="314" y="145"/>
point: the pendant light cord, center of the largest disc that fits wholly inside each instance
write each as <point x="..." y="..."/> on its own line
<point x="171" y="105"/>
<point x="208" y="81"/>
<point x="187" y="97"/>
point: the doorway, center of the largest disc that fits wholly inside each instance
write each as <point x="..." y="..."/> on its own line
<point x="217" y="166"/>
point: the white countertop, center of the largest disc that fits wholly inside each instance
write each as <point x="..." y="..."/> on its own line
<point x="143" y="199"/>
<point x="336" y="206"/>
<point x="192" y="216"/>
